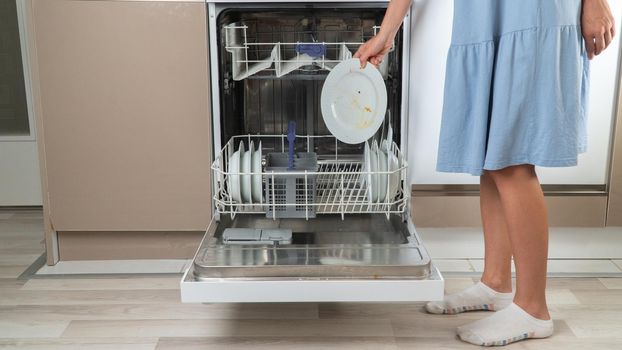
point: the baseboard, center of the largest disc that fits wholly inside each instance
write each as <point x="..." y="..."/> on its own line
<point x="464" y="210"/>
<point x="564" y="242"/>
<point x="127" y="245"/>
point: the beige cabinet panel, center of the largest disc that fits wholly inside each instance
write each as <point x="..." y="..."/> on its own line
<point x="123" y="93"/>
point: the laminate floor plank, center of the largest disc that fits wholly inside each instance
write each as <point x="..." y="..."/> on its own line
<point x="168" y="311"/>
<point x="18" y="259"/>
<point x="230" y="328"/>
<point x="79" y="344"/>
<point x="11" y="271"/>
<point x="5" y="216"/>
<point x="594" y="323"/>
<point x="31" y="328"/>
<point x="94" y="297"/>
<point x="368" y="310"/>
<point x="611" y="283"/>
<point x="440" y="343"/>
<point x="284" y="342"/>
<point x="554" y="343"/>
<point x="599" y="297"/>
<point x="10" y="284"/>
<point x="433" y="326"/>
<point x="561" y="296"/>
<point x="129" y="283"/>
<point x="591" y="283"/>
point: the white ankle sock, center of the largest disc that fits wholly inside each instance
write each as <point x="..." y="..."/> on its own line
<point x="504" y="327"/>
<point x="477" y="297"/>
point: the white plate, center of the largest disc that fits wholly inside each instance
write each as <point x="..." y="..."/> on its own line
<point x="394" y="184"/>
<point x="234" y="174"/>
<point x="383" y="179"/>
<point x="374" y="169"/>
<point x="354" y="101"/>
<point x="393" y="166"/>
<point x="366" y="176"/>
<point x="245" y="168"/>
<point x="256" y="168"/>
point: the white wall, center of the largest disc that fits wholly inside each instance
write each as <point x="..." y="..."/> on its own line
<point x="430" y="37"/>
<point x="20" y="183"/>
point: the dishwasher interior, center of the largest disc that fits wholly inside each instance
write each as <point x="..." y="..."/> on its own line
<point x="294" y="205"/>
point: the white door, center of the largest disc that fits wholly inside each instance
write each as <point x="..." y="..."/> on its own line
<point x="431" y="34"/>
<point x="20" y="183"/>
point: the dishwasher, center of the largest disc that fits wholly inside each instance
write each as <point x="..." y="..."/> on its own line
<point x="309" y="230"/>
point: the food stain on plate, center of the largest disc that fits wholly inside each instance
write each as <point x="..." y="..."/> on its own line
<point x="364" y="117"/>
<point x="364" y="124"/>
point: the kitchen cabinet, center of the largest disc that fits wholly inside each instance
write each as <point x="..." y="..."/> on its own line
<point x="122" y="104"/>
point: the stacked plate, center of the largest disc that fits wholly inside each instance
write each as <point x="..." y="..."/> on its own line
<point x="245" y="185"/>
<point x="380" y="168"/>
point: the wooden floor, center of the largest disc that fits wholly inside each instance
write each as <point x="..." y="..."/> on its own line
<point x="145" y="313"/>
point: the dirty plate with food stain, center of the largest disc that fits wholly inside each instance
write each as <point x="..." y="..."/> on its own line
<point x="354" y="101"/>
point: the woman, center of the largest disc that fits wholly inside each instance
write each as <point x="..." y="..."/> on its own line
<point x="515" y="97"/>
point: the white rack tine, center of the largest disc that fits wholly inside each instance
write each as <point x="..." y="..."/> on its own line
<point x="341" y="200"/>
<point x="306" y="190"/>
<point x="245" y="48"/>
<point x="329" y="191"/>
<point x="345" y="193"/>
<point x="358" y="194"/>
<point x="273" y="199"/>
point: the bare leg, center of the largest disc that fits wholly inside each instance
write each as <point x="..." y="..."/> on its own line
<point x="526" y="217"/>
<point x="494" y="291"/>
<point x="498" y="250"/>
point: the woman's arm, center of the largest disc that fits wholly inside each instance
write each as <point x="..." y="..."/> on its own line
<point x="597" y="25"/>
<point x="375" y="48"/>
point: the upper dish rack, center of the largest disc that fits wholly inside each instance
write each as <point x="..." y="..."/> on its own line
<point x="251" y="57"/>
<point x="339" y="184"/>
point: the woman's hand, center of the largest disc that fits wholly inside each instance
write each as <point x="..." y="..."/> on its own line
<point x="377" y="47"/>
<point x="374" y="50"/>
<point x="598" y="26"/>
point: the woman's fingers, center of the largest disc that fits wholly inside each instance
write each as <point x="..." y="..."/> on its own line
<point x="599" y="40"/>
<point x="591" y="47"/>
<point x="362" y="55"/>
<point x="376" y="60"/>
<point x="597" y="24"/>
<point x="608" y="38"/>
<point x="373" y="51"/>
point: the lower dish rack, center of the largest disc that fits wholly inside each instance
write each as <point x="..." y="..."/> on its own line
<point x="339" y="183"/>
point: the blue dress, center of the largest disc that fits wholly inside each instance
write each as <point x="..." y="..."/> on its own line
<point x="516" y="86"/>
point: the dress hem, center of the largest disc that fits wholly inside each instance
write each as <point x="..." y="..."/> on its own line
<point x="477" y="171"/>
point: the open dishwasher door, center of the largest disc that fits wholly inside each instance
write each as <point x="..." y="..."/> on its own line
<point x="329" y="226"/>
<point x="365" y="257"/>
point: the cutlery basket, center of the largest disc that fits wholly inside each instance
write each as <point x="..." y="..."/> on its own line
<point x="299" y="187"/>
